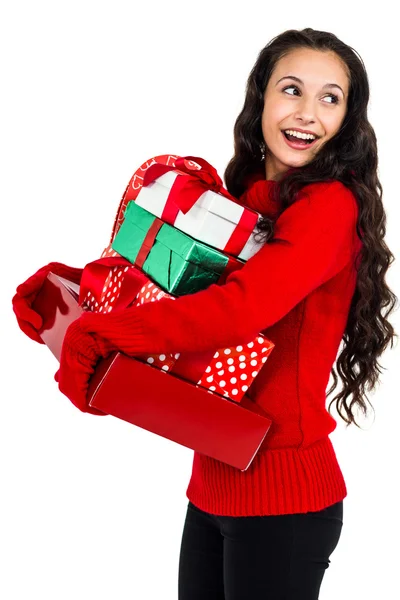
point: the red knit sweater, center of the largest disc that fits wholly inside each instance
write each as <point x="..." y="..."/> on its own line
<point x="297" y="293"/>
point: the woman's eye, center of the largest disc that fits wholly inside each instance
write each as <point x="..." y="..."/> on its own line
<point x="290" y="87"/>
<point x="335" y="98"/>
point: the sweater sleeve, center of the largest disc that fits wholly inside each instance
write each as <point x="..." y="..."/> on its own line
<point x="313" y="241"/>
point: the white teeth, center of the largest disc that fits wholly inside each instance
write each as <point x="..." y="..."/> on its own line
<point x="303" y="136"/>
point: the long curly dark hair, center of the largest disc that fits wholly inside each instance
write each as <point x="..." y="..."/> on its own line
<point x="351" y="157"/>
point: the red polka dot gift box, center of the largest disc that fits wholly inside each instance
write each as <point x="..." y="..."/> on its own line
<point x="111" y="283"/>
<point x="232" y="370"/>
<point x="109" y="297"/>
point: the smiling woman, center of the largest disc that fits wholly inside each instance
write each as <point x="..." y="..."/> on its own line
<point x="317" y="281"/>
<point x="305" y="108"/>
<point x="310" y="82"/>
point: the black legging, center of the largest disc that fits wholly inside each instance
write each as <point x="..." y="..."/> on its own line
<point x="278" y="557"/>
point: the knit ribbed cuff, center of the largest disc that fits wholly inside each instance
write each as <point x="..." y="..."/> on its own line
<point x="122" y="328"/>
<point x="80" y="344"/>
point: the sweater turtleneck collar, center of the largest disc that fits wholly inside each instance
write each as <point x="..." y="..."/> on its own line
<point x="260" y="195"/>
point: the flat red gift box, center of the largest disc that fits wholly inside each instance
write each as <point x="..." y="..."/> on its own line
<point x="154" y="400"/>
<point x="57" y="303"/>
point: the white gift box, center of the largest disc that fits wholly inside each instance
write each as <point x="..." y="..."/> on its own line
<point x="212" y="219"/>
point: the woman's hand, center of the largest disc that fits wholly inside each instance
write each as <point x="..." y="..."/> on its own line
<point x="79" y="356"/>
<point x="29" y="320"/>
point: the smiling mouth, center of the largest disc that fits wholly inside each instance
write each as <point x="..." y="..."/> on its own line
<point x="298" y="143"/>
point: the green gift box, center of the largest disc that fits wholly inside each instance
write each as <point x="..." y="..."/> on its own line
<point x="175" y="261"/>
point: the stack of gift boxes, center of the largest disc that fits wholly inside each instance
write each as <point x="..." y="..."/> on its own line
<point x="183" y="231"/>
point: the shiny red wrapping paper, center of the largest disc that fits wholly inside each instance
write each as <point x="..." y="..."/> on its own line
<point x="154" y="400"/>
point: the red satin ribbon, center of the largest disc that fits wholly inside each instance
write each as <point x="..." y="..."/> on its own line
<point x="148" y="242"/>
<point x="233" y="263"/>
<point x="95" y="274"/>
<point x="241" y="233"/>
<point x="185" y="192"/>
<point x="198" y="182"/>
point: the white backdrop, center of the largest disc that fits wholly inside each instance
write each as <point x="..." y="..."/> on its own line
<point x="93" y="508"/>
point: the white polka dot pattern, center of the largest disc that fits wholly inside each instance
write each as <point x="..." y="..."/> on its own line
<point x="151" y="293"/>
<point x="111" y="288"/>
<point x="109" y="295"/>
<point x="109" y="252"/>
<point x="232" y="370"/>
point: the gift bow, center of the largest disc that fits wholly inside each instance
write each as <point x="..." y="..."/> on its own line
<point x="187" y="190"/>
<point x="95" y="274"/>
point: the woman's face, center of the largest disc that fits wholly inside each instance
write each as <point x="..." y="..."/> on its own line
<point x="302" y="105"/>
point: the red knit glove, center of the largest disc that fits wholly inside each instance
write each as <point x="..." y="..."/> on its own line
<point x="80" y="353"/>
<point x="29" y="320"/>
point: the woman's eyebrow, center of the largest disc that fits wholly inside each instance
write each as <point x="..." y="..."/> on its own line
<point x="327" y="85"/>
